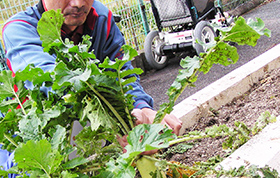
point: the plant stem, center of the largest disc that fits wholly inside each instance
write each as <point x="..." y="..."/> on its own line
<point x="126" y="109"/>
<point x="168" y="163"/>
<point x="11" y="140"/>
<point x="45" y="171"/>
<point x="180" y="91"/>
<point x="19" y="102"/>
<point x="69" y="138"/>
<point x="80" y="59"/>
<point x="184" y="139"/>
<point x="125" y="129"/>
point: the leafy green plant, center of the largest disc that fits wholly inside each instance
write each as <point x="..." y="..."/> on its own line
<point x="83" y="90"/>
<point x="37" y="127"/>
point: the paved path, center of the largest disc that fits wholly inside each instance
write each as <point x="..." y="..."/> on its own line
<point x="156" y="83"/>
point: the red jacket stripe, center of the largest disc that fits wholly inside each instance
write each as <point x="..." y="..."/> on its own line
<point x="109" y="24"/>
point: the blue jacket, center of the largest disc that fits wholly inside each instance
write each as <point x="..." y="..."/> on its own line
<point x="23" y="46"/>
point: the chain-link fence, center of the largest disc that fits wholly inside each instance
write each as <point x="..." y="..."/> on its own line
<point x="137" y="17"/>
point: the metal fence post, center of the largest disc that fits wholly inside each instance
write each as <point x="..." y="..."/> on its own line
<point x="143" y="16"/>
<point x="3" y="64"/>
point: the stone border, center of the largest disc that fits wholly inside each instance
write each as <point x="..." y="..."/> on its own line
<point x="261" y="150"/>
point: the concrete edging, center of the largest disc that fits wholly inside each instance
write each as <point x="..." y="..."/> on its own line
<point x="263" y="149"/>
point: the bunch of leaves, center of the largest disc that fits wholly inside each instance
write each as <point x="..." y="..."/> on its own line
<point x="37" y="126"/>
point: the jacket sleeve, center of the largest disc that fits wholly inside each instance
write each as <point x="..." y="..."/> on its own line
<point x="23" y="47"/>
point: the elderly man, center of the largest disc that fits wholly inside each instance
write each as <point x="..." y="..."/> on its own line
<point x="82" y="17"/>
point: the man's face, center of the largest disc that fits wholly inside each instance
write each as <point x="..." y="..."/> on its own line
<point x="74" y="11"/>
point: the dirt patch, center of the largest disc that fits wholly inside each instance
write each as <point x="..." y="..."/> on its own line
<point x="263" y="96"/>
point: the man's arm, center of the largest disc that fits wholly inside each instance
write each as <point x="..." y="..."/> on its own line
<point x="23" y="46"/>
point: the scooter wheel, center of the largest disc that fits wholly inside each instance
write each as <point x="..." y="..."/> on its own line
<point x="154" y="60"/>
<point x="205" y="33"/>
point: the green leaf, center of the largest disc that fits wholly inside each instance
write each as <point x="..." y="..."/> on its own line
<point x="7" y="85"/>
<point x="118" y="169"/>
<point x="258" y="26"/>
<point x="112" y="65"/>
<point x="190" y="63"/>
<point x="66" y="174"/>
<point x="146" y="137"/>
<point x="66" y="77"/>
<point x="94" y="68"/>
<point x="37" y="173"/>
<point x="37" y="155"/>
<point x="245" y="34"/>
<point x="223" y="54"/>
<point x="126" y="73"/>
<point x="50" y="113"/>
<point x="129" y="53"/>
<point x="9" y="127"/>
<point x="114" y="98"/>
<point x="269" y="172"/>
<point x="264" y="119"/>
<point x="36" y="75"/>
<point x="32" y="125"/>
<point x="30" y="129"/>
<point x="128" y="81"/>
<point x="49" y="28"/>
<point x="75" y="162"/>
<point x="58" y="137"/>
<point x="12" y="170"/>
<point x="7" y="105"/>
<point x="96" y="114"/>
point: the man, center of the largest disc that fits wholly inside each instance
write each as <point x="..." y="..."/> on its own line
<point x="23" y="46"/>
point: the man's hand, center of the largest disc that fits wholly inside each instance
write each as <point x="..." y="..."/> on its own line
<point x="147" y="116"/>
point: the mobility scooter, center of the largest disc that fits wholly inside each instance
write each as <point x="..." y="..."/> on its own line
<point x="180" y="23"/>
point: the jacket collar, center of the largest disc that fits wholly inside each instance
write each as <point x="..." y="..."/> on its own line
<point x="41" y="7"/>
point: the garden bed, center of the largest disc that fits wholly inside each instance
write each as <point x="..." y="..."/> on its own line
<point x="263" y="96"/>
<point x="243" y="95"/>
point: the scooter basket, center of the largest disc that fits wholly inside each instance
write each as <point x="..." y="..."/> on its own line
<point x="172" y="12"/>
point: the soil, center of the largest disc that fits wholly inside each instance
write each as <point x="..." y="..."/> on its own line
<point x="263" y="96"/>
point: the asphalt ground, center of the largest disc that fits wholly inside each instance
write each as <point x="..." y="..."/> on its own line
<point x="157" y="82"/>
